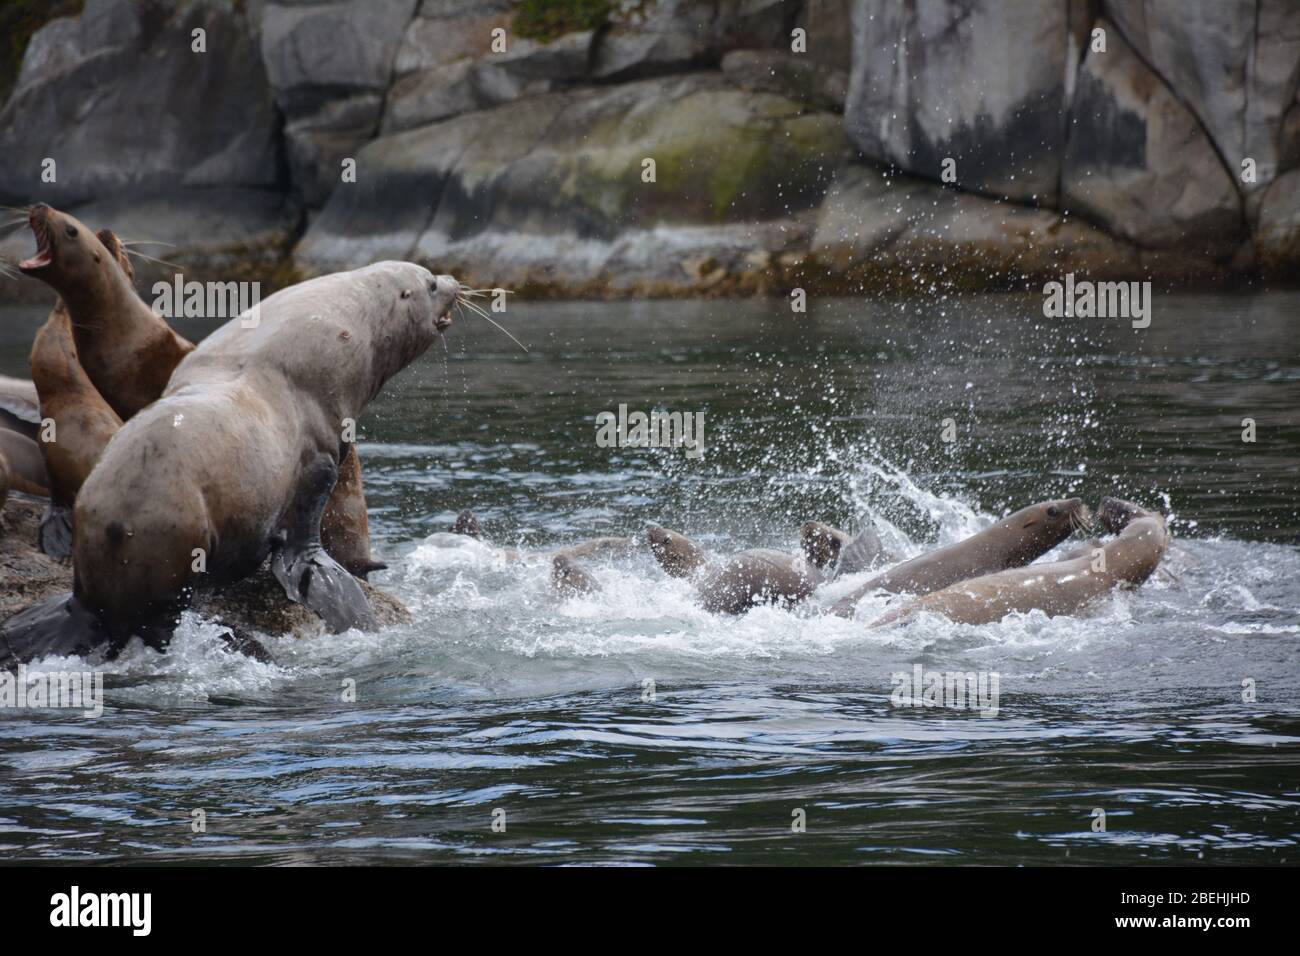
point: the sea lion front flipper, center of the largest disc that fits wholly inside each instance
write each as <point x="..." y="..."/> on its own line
<point x="59" y="625"/>
<point x="55" y="538"/>
<point x="246" y="644"/>
<point x="308" y="575"/>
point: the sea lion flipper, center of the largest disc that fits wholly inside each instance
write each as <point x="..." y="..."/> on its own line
<point x="59" y="625"/>
<point x="308" y="575"/>
<point x="56" y="530"/>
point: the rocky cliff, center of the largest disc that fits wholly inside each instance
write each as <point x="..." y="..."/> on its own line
<point x="614" y="147"/>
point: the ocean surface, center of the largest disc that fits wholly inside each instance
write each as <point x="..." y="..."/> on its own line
<point x="508" y="726"/>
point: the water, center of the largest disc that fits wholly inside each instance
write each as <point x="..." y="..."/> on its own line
<point x="501" y="697"/>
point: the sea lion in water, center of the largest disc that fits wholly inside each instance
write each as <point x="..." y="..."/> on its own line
<point x="841" y="553"/>
<point x="127" y="349"/>
<point x="1012" y="542"/>
<point x="83" y="420"/>
<point x="755" y="576"/>
<point x="129" y="352"/>
<point x="1058" y="587"/>
<point x="236" y="462"/>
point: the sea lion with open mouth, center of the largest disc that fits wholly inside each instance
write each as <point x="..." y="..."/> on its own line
<point x="1014" y="541"/>
<point x="83" y="421"/>
<point x="236" y="462"/>
<point x="1058" y="587"/>
<point x="127" y="349"/>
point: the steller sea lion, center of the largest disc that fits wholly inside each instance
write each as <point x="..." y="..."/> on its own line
<point x="24" y="465"/>
<point x="1058" y="587"/>
<point x="83" y="420"/>
<point x="129" y="353"/>
<point x="1012" y="542"/>
<point x="236" y="462"/>
<point x="127" y="349"/>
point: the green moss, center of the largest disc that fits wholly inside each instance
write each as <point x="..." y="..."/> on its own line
<point x="19" y="19"/>
<point x="544" y="20"/>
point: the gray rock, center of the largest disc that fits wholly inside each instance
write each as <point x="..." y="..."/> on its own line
<point x="649" y="37"/>
<point x="1277" y="235"/>
<point x="980" y="82"/>
<point x="96" y="110"/>
<point x="830" y="31"/>
<point x="323" y="46"/>
<point x="872" y="221"/>
<point x="317" y="143"/>
<point x="1138" y="162"/>
<point x="562" y="171"/>
<point x="430" y="42"/>
<point x="796" y="76"/>
<point x="1235" y="63"/>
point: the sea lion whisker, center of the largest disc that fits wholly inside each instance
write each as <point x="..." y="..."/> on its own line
<point x="161" y="262"/>
<point x="474" y="308"/>
<point x="146" y="242"/>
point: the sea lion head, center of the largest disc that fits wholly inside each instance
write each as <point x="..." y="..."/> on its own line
<point x="821" y="545"/>
<point x="415" y="305"/>
<point x="467" y="524"/>
<point x="1115" y="513"/>
<point x="1043" y="526"/>
<point x="677" y="554"/>
<point x="69" y="256"/>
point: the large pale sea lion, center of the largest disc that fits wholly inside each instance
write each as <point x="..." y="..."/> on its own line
<point x="1058" y="587"/>
<point x="83" y="421"/>
<point x="236" y="462"/>
<point x="129" y="352"/>
<point x="1014" y="541"/>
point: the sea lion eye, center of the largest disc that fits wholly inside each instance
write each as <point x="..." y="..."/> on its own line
<point x="406" y="293"/>
<point x="1053" y="511"/>
<point x="72" y="232"/>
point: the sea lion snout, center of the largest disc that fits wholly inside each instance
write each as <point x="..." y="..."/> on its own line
<point x="38" y="218"/>
<point x="445" y="291"/>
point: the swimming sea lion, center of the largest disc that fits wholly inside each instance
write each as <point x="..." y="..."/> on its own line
<point x="83" y="420"/>
<point x="677" y="554"/>
<point x="236" y="462"/>
<point x="127" y="349"/>
<point x="1058" y="587"/>
<point x="828" y="547"/>
<point x="1012" y="542"/>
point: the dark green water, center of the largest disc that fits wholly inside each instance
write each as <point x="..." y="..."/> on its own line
<point x="500" y="697"/>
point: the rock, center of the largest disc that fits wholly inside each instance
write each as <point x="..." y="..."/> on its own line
<point x="1277" y="235"/>
<point x="650" y="37"/>
<point x="525" y="69"/>
<point x="792" y="75"/>
<point x="894" y="229"/>
<point x="980" y="82"/>
<point x="330" y="65"/>
<point x="1138" y="162"/>
<point x="562" y="173"/>
<point x="1235" y="63"/>
<point x="92" y="103"/>
<point x="437" y="38"/>
<point x="255" y="604"/>
<point x="829" y="31"/>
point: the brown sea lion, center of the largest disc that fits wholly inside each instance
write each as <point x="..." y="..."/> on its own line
<point x="127" y="349"/>
<point x="263" y="408"/>
<point x="677" y="554"/>
<point x="1012" y="542"/>
<point x="83" y="420"/>
<point x="25" y="466"/>
<point x="839" y="552"/>
<point x="1058" y="587"/>
<point x="345" y="526"/>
